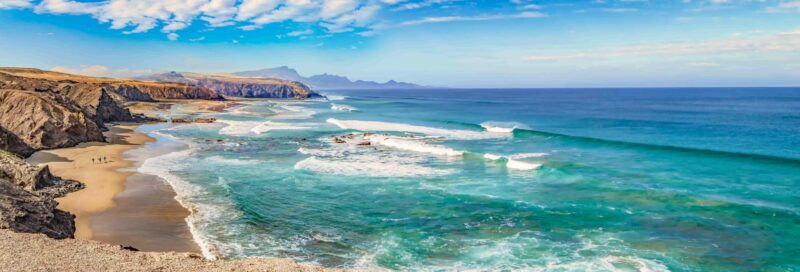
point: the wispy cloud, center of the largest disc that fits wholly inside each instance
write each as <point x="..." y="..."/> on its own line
<point x="175" y="15"/>
<point x="14" y="4"/>
<point x="443" y="19"/>
<point x="781" y="42"/>
<point x="785" y="7"/>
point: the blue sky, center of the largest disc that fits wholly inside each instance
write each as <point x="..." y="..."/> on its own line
<point x="502" y="43"/>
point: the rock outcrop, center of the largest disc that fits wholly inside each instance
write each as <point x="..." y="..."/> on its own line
<point x="240" y="86"/>
<point x="45" y="120"/>
<point x="26" y="199"/>
<point x="167" y="90"/>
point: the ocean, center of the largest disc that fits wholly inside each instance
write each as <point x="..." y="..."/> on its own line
<point x="689" y="179"/>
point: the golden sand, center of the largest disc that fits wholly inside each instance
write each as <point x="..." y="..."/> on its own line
<point x="102" y="179"/>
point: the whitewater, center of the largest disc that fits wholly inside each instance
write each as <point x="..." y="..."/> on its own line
<point x="511" y="180"/>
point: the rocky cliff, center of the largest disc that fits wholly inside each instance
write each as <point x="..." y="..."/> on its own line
<point x="44" y="120"/>
<point x="42" y="109"/>
<point x="121" y="90"/>
<point x="240" y="86"/>
<point x="26" y="199"/>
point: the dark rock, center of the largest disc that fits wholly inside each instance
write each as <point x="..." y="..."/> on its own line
<point x="26" y="199"/>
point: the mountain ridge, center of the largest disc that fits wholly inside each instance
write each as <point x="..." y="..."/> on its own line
<point x="325" y="80"/>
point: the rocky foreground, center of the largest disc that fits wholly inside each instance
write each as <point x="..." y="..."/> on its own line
<point x="36" y="252"/>
<point x="27" y="200"/>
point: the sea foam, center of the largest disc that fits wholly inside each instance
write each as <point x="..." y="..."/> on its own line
<point x="513" y="161"/>
<point x="368" y="168"/>
<point x="400" y="127"/>
<point x="501" y="127"/>
<point x="191" y="196"/>
<point x="521" y="165"/>
<point x="415" y="146"/>
<point x="341" y="107"/>
<point x="255" y="127"/>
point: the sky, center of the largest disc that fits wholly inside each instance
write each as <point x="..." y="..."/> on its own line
<point x="448" y="43"/>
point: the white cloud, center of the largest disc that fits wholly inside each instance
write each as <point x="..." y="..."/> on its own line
<point x="173" y="36"/>
<point x="780" y="42"/>
<point x="787" y="6"/>
<point x="443" y="19"/>
<point x="172" y="16"/>
<point x="136" y="16"/>
<point x="300" y="33"/>
<point x="13" y="4"/>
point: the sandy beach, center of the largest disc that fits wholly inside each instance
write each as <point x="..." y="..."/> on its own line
<point x="118" y="205"/>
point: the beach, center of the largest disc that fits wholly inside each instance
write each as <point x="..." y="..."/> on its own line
<point x="118" y="205"/>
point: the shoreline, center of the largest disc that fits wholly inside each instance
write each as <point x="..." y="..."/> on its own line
<point x="119" y="204"/>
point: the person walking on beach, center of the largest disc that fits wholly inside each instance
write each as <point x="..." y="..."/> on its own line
<point x="105" y="160"/>
<point x="92" y="160"/>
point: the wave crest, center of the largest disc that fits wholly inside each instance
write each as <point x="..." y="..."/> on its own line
<point x="400" y="127"/>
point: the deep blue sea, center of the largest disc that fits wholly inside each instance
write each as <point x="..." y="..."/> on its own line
<point x="492" y="179"/>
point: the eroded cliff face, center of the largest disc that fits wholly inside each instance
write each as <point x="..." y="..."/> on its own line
<point x="95" y="101"/>
<point x="240" y="86"/>
<point x="45" y="120"/>
<point x="176" y="91"/>
<point x="255" y="89"/>
<point x="121" y="90"/>
<point x="27" y="200"/>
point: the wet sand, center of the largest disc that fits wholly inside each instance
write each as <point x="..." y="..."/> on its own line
<point x="118" y="205"/>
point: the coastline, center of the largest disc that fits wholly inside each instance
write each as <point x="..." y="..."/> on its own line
<point x="120" y="205"/>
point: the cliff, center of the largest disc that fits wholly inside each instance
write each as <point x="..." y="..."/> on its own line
<point x="121" y="90"/>
<point x="26" y="199"/>
<point x="240" y="86"/>
<point x="45" y="120"/>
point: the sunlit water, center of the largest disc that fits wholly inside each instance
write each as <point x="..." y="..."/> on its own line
<point x="633" y="179"/>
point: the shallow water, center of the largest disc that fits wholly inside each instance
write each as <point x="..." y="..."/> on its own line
<point x="631" y="179"/>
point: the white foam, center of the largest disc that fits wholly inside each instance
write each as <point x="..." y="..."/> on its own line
<point x="201" y="213"/>
<point x="527" y="155"/>
<point x="341" y="107"/>
<point x="333" y="97"/>
<point x="399" y="127"/>
<point x="520" y="165"/>
<point x="492" y="157"/>
<point x="373" y="167"/>
<point x="255" y="127"/>
<point x="415" y="146"/>
<point x="500" y="127"/>
<point x="605" y="263"/>
<point x="293" y="112"/>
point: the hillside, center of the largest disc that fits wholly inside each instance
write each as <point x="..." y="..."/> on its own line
<point x="237" y="86"/>
<point x="120" y="89"/>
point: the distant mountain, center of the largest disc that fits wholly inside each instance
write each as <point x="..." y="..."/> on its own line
<point x="326" y="81"/>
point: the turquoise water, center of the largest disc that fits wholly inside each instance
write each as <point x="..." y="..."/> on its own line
<point x="533" y="180"/>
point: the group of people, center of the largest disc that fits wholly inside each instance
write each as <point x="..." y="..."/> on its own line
<point x="102" y="159"/>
